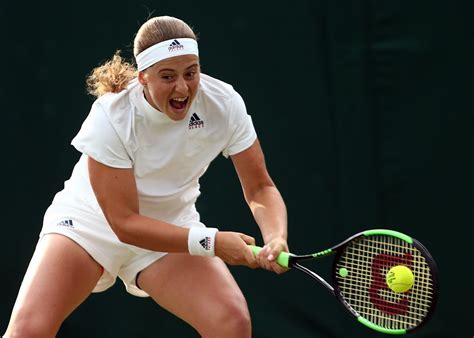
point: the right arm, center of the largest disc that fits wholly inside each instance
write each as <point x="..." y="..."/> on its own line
<point x="116" y="193"/>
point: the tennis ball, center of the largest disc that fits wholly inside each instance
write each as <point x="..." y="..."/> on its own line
<point x="400" y="278"/>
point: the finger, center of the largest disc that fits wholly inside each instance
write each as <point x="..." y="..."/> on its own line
<point x="250" y="258"/>
<point x="274" y="253"/>
<point x="264" y="252"/>
<point x="268" y="253"/>
<point x="276" y="250"/>
<point x="247" y="239"/>
<point x="277" y="268"/>
<point x="263" y="259"/>
<point x="262" y="256"/>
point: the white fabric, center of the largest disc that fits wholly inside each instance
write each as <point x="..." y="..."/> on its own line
<point x="91" y="231"/>
<point x="164" y="50"/>
<point x="202" y="241"/>
<point x="168" y="157"/>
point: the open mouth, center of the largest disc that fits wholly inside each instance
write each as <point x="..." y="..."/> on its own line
<point x="179" y="102"/>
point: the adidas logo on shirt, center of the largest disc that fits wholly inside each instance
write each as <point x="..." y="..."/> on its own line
<point x="195" y="122"/>
<point x="174" y="46"/>
<point x="66" y="223"/>
<point x="206" y="243"/>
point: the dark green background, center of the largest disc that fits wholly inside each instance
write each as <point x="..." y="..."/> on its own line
<point x="364" y="110"/>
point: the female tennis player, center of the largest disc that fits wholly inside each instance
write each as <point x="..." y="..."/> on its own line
<point x="128" y="209"/>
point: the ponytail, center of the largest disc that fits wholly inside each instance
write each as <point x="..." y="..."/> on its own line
<point x="111" y="77"/>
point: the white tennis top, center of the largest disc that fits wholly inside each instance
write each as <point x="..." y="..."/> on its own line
<point x="168" y="157"/>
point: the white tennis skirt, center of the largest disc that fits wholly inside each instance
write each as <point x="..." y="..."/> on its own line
<point x="92" y="232"/>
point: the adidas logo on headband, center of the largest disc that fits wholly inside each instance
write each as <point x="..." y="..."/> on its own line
<point x="174" y="46"/>
<point x="164" y="50"/>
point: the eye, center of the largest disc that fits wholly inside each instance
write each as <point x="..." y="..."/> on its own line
<point x="166" y="77"/>
<point x="191" y="74"/>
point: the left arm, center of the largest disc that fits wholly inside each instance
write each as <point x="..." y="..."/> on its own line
<point x="265" y="202"/>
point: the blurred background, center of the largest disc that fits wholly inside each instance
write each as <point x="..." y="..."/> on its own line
<point x="363" y="108"/>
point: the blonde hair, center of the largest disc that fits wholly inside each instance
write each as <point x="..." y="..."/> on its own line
<point x="114" y="75"/>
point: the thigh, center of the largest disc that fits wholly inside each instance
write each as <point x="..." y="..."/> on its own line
<point x="60" y="276"/>
<point x="199" y="290"/>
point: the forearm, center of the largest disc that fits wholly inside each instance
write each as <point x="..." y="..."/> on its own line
<point x="156" y="235"/>
<point x="269" y="211"/>
<point x="151" y="234"/>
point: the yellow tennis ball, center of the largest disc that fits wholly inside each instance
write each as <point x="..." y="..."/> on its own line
<point x="400" y="278"/>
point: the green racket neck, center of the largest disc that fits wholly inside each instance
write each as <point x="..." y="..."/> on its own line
<point x="294" y="259"/>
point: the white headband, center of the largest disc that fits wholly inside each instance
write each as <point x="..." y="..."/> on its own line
<point x="164" y="50"/>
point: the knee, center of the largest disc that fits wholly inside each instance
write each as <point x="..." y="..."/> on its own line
<point x="232" y="319"/>
<point x="237" y="318"/>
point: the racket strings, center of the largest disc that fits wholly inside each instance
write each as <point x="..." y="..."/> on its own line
<point x="362" y="282"/>
<point x="424" y="276"/>
<point x="364" y="289"/>
<point x="367" y="304"/>
<point x="359" y="276"/>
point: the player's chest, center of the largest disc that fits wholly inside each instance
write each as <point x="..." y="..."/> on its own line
<point x="192" y="143"/>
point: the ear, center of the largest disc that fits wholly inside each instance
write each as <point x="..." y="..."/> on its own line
<point x="142" y="78"/>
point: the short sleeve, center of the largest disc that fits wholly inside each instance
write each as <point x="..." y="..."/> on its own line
<point x="241" y="130"/>
<point x="98" y="139"/>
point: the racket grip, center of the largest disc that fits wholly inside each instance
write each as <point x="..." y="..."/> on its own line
<point x="283" y="258"/>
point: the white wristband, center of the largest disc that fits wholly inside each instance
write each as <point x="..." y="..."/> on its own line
<point x="201" y="241"/>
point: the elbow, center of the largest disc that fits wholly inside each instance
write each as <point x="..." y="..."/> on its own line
<point x="121" y="229"/>
<point x="257" y="192"/>
<point x="122" y="234"/>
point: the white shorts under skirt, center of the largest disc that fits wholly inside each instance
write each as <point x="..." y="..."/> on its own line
<point x="93" y="233"/>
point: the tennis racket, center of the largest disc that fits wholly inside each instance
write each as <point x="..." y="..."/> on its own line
<point x="360" y="267"/>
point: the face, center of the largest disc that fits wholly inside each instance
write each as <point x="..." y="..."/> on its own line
<point x="171" y="85"/>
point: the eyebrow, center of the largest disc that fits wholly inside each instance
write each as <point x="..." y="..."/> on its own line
<point x="172" y="70"/>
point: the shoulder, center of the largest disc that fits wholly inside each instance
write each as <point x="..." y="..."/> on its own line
<point x="117" y="105"/>
<point x="212" y="87"/>
<point x="217" y="95"/>
<point x="114" y="116"/>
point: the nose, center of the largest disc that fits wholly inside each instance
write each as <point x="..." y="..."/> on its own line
<point x="181" y="86"/>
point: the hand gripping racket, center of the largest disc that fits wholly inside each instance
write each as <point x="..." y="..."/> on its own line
<point x="360" y="267"/>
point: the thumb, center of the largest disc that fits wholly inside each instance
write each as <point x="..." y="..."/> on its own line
<point x="248" y="253"/>
<point x="247" y="239"/>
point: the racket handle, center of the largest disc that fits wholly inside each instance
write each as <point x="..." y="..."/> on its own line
<point x="283" y="258"/>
